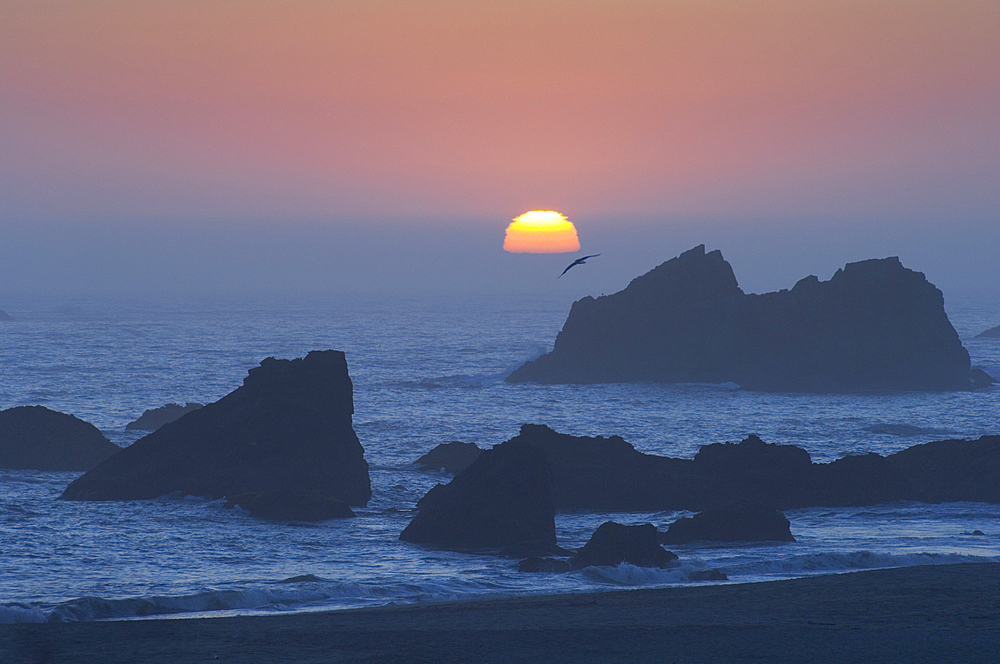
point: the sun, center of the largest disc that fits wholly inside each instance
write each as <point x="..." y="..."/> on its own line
<point x="541" y="232"/>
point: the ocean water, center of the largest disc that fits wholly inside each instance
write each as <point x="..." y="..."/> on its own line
<point x="425" y="371"/>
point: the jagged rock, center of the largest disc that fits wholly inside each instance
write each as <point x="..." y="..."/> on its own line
<point x="453" y="457"/>
<point x="287" y="428"/>
<point x="874" y="326"/>
<point x="503" y="499"/>
<point x="732" y="523"/>
<point x="992" y="333"/>
<point x="613" y="544"/>
<point x="5" y="316"/>
<point x="285" y="505"/>
<point x="36" y="438"/>
<point x="154" y="418"/>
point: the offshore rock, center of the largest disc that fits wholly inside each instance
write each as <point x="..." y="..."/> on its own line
<point x="36" y="438"/>
<point x="5" y="316"/>
<point x="951" y="470"/>
<point x="287" y="505"/>
<point x="609" y="475"/>
<point x="732" y="523"/>
<point x="604" y="474"/>
<point x="613" y="544"/>
<point x="875" y="325"/>
<point x="289" y="427"/>
<point x="452" y="458"/>
<point x="992" y="333"/>
<point x="504" y="499"/>
<point x="154" y="418"/>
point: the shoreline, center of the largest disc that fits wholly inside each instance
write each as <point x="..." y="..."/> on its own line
<point x="937" y="613"/>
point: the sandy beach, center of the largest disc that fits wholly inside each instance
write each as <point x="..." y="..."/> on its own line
<point x="945" y="613"/>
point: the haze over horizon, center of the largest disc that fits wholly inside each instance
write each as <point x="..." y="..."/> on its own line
<point x="260" y="147"/>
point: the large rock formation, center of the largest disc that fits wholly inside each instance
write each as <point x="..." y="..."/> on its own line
<point x="874" y="326"/>
<point x="288" y="427"/>
<point x="36" y="438"/>
<point x="5" y="316"/>
<point x="154" y="418"/>
<point x="608" y="474"/>
<point x="504" y="499"/>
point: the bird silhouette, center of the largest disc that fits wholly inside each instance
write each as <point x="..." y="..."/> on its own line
<point x="578" y="261"/>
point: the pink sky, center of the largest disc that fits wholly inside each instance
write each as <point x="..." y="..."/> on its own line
<point x="604" y="110"/>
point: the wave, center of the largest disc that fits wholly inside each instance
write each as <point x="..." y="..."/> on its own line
<point x="905" y="430"/>
<point x="303" y="593"/>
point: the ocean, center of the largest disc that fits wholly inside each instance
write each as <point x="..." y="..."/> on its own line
<point x="425" y="371"/>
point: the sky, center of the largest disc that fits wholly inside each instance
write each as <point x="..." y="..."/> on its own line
<point x="251" y="146"/>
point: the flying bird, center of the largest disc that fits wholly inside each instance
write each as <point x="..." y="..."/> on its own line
<point x="578" y="261"/>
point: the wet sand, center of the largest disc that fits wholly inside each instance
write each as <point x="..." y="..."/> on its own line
<point x="948" y="613"/>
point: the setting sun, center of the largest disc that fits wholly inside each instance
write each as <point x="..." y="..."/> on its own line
<point x="541" y="232"/>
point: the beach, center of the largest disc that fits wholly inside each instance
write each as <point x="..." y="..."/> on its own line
<point x="942" y="613"/>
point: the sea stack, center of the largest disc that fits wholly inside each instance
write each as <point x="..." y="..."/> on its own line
<point x="875" y="325"/>
<point x="36" y="438"/>
<point x="289" y="427"/>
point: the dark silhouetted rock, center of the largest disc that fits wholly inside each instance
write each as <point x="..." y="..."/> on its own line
<point x="750" y="471"/>
<point x="992" y="333"/>
<point x="5" y="316"/>
<point x="286" y="505"/>
<point x="287" y="428"/>
<point x="36" y="438"/>
<point x="874" y="326"/>
<point x="981" y="379"/>
<point x="604" y="474"/>
<point x="302" y="578"/>
<point x="732" y="523"/>
<point x="950" y="470"/>
<point x="613" y="544"/>
<point x="154" y="418"/>
<point x="544" y="565"/>
<point x="453" y="457"/>
<point x="503" y="499"/>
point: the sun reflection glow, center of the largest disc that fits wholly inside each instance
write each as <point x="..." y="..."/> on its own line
<point x="541" y="232"/>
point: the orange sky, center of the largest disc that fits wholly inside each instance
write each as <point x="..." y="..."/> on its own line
<point x="309" y="110"/>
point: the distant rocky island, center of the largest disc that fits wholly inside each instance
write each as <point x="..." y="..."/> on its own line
<point x="992" y="333"/>
<point x="875" y="325"/>
<point x="154" y="418"/>
<point x="5" y="316"/>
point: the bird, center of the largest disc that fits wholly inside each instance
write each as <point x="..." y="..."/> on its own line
<point x="578" y="261"/>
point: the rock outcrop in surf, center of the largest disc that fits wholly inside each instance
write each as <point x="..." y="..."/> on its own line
<point x="875" y="325"/>
<point x="503" y="499"/>
<point x="732" y="523"/>
<point x="289" y="427"/>
<point x="36" y="438"/>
